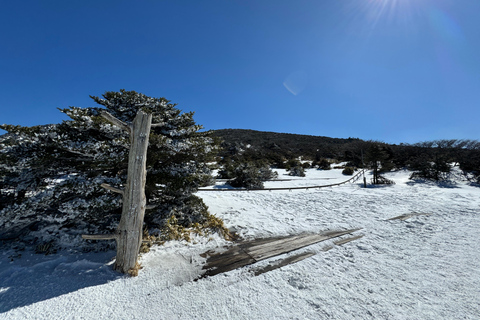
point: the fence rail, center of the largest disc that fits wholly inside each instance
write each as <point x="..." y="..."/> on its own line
<point x="352" y="179"/>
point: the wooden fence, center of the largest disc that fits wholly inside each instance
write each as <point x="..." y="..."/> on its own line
<point x="352" y="179"/>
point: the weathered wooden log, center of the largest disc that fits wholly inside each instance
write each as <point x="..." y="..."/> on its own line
<point x="130" y="228"/>
<point x="260" y="249"/>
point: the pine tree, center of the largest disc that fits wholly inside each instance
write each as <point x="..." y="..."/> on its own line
<point x="51" y="175"/>
<point x="379" y="159"/>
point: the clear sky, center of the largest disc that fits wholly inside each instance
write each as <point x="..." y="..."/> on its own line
<point x="388" y="70"/>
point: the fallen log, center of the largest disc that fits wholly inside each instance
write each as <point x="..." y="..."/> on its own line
<point x="247" y="253"/>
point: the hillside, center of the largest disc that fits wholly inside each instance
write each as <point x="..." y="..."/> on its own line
<point x="270" y="145"/>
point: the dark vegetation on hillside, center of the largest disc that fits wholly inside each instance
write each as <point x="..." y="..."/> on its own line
<point x="431" y="160"/>
<point x="279" y="147"/>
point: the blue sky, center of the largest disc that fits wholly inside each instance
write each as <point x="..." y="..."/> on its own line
<point x="389" y="70"/>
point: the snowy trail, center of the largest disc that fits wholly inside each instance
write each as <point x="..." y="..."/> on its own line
<point x="426" y="267"/>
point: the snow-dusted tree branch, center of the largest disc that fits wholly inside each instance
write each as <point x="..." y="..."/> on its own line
<point x="115" y="121"/>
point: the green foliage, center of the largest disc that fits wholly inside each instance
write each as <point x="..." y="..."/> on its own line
<point x="297" y="171"/>
<point x="348" y="171"/>
<point x="295" y="168"/>
<point x="249" y="175"/>
<point x="52" y="174"/>
<point x="436" y="169"/>
<point x="276" y="148"/>
<point x="322" y="164"/>
<point x="378" y="158"/>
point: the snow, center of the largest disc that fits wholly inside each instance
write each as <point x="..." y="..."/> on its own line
<point x="426" y="267"/>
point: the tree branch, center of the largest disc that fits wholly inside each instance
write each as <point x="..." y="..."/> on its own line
<point x="99" y="236"/>
<point x="109" y="187"/>
<point x="115" y="121"/>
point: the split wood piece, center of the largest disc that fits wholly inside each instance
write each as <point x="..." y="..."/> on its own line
<point x="343" y="241"/>
<point x="283" y="262"/>
<point x="253" y="251"/>
<point x="409" y="215"/>
<point x="347" y="240"/>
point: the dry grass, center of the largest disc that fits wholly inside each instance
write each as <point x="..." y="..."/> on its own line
<point x="174" y="231"/>
<point x="133" y="272"/>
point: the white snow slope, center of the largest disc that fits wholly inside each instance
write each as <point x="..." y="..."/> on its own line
<point x="426" y="267"/>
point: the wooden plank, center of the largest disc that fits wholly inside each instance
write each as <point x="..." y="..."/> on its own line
<point x="231" y="254"/>
<point x="253" y="251"/>
<point x="346" y="240"/>
<point x="283" y="262"/>
<point x="246" y="260"/>
<point x="409" y="215"/>
<point x="277" y="247"/>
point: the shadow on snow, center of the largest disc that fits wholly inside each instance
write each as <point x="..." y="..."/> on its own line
<point x="36" y="278"/>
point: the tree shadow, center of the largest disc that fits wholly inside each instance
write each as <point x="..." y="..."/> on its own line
<point x="35" y="278"/>
<point x="441" y="184"/>
<point x="223" y="187"/>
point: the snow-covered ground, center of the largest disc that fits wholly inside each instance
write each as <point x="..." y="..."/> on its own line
<point x="426" y="267"/>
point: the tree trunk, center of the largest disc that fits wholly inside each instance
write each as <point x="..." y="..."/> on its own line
<point x="130" y="228"/>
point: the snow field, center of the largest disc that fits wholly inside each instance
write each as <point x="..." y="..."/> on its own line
<point x="426" y="267"/>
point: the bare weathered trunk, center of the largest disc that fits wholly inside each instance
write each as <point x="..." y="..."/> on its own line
<point x="130" y="228"/>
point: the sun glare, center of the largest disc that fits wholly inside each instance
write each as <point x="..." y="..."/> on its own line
<point x="392" y="12"/>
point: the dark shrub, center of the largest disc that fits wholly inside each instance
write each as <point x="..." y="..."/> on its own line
<point x="323" y="164"/>
<point x="251" y="175"/>
<point x="297" y="171"/>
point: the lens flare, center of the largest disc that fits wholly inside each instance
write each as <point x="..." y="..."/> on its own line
<point x="296" y="82"/>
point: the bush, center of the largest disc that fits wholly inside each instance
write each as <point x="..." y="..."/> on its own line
<point x="295" y="168"/>
<point x="348" y="171"/>
<point x="323" y="164"/>
<point x="250" y="175"/>
<point x="297" y="171"/>
<point x="436" y="169"/>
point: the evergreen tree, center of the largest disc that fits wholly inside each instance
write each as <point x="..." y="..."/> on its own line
<point x="51" y="175"/>
<point x="378" y="158"/>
